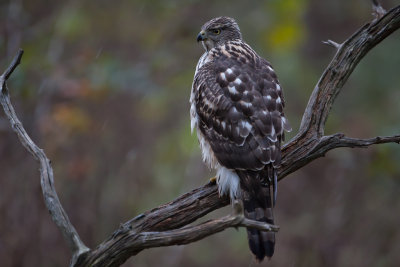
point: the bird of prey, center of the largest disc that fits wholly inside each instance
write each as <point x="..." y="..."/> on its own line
<point x="237" y="109"/>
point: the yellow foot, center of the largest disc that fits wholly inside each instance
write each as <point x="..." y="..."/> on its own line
<point x="213" y="180"/>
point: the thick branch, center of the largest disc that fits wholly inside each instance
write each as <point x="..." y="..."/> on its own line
<point x="46" y="172"/>
<point x="132" y="242"/>
<point x="190" y="234"/>
<point x="340" y="68"/>
<point x="296" y="151"/>
<point x="306" y="146"/>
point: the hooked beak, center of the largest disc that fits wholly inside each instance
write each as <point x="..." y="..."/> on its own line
<point x="202" y="36"/>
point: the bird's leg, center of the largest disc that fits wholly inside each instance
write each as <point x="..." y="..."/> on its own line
<point x="237" y="206"/>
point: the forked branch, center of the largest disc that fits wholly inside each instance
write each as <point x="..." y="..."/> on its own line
<point x="168" y="224"/>
<point x="114" y="252"/>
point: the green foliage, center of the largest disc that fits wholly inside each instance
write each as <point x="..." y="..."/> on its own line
<point x="287" y="31"/>
<point x="72" y="23"/>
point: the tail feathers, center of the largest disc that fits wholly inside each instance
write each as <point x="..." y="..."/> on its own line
<point x="262" y="244"/>
<point x="274" y="186"/>
<point x="257" y="204"/>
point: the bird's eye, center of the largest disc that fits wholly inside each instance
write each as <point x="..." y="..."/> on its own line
<point x="216" y="31"/>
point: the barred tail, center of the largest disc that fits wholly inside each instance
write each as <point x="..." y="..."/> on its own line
<point x="257" y="204"/>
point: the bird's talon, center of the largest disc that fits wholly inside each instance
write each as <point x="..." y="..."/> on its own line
<point x="213" y="180"/>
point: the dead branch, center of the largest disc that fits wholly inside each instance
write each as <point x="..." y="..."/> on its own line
<point x="168" y="224"/>
<point x="51" y="200"/>
<point x="299" y="151"/>
<point x="131" y="242"/>
<point x="377" y="10"/>
<point x="332" y="44"/>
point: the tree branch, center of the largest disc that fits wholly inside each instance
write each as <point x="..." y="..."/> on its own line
<point x="377" y="10"/>
<point x="330" y="142"/>
<point x="332" y="44"/>
<point x="6" y="74"/>
<point x="51" y="200"/>
<point x="122" y="246"/>
<point x="162" y="225"/>
<point x="297" y="151"/>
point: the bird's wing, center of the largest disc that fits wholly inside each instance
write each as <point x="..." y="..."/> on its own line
<point x="239" y="104"/>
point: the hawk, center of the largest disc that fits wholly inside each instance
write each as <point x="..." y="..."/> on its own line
<point x="237" y="109"/>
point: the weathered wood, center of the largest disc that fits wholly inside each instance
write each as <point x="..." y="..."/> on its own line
<point x="51" y="200"/>
<point x="114" y="251"/>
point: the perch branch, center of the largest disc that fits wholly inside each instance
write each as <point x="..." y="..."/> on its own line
<point x="162" y="226"/>
<point x="53" y="204"/>
<point x="307" y="145"/>
<point x="117" y="251"/>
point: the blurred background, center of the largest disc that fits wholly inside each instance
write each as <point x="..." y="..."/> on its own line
<point x="104" y="87"/>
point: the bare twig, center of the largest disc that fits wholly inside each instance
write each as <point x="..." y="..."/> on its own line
<point x="332" y="43"/>
<point x="330" y="142"/>
<point x="16" y="61"/>
<point x="46" y="172"/>
<point x="162" y="225"/>
<point x="377" y="10"/>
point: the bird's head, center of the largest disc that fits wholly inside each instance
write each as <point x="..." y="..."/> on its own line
<point x="218" y="31"/>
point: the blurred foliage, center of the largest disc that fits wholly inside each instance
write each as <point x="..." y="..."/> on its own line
<point x="104" y="86"/>
<point x="287" y="34"/>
